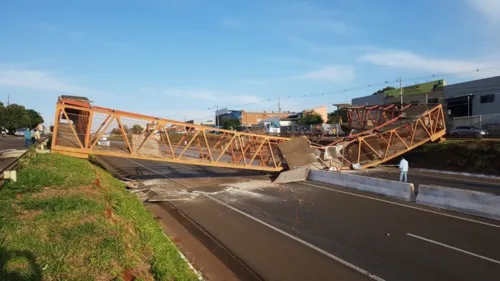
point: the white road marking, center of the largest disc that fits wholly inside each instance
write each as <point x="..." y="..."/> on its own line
<point x="453" y="248"/>
<point x="346" y="263"/>
<point x="402" y="205"/>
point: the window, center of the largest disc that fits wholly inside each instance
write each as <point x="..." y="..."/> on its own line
<point x="433" y="101"/>
<point x="487" y="98"/>
<point x="415" y="102"/>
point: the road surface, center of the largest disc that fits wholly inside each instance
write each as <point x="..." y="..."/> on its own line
<point x="11" y="142"/>
<point x="313" y="231"/>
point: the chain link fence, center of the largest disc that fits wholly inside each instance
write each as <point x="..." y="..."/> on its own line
<point x="490" y="122"/>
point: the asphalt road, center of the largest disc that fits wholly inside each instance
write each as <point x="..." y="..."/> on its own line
<point x="312" y="231"/>
<point x="11" y="142"/>
<point x="490" y="185"/>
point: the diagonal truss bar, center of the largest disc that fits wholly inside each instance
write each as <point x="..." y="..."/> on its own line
<point x="73" y="129"/>
<point x="150" y="133"/>
<point x="98" y="136"/>
<point x="124" y="134"/>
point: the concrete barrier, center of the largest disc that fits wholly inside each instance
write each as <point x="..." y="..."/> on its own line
<point x="399" y="190"/>
<point x="466" y="201"/>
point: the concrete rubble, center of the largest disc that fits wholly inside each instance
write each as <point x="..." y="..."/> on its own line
<point x="300" y="158"/>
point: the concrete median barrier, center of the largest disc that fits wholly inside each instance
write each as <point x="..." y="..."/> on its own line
<point x="465" y="201"/>
<point x="399" y="190"/>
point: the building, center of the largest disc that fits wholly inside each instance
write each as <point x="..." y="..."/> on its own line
<point x="471" y="103"/>
<point x="428" y="92"/>
<point x="477" y="97"/>
<point x="247" y="118"/>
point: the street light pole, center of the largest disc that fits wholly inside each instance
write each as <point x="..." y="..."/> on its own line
<point x="401" y="91"/>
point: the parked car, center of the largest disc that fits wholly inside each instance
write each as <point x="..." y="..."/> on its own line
<point x="468" y="131"/>
<point x="103" y="141"/>
<point x="20" y="132"/>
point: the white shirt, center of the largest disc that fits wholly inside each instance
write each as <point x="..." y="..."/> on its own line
<point x="403" y="165"/>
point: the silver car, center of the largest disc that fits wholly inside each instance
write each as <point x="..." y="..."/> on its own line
<point x="468" y="131"/>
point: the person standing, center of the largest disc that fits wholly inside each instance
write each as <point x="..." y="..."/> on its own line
<point x="32" y="133"/>
<point x="403" y="170"/>
<point x="37" y="135"/>
<point x="27" y="137"/>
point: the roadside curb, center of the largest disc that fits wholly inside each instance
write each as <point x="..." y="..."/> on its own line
<point x="465" y="201"/>
<point x="398" y="190"/>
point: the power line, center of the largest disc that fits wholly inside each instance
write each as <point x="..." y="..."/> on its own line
<point x="345" y="90"/>
<point x="365" y="86"/>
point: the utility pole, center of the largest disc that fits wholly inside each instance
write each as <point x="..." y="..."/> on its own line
<point x="8" y="100"/>
<point x="217" y="117"/>
<point x="401" y="91"/>
<point x="279" y="117"/>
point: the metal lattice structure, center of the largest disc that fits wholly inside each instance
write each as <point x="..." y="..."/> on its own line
<point x="416" y="126"/>
<point x="362" y="118"/>
<point x="79" y="129"/>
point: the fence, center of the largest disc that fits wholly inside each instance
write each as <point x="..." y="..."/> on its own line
<point x="490" y="122"/>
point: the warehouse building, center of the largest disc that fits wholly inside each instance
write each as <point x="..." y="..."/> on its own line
<point x="429" y="92"/>
<point x="472" y="103"/>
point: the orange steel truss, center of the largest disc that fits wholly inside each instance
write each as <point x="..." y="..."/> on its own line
<point x="392" y="139"/>
<point x="79" y="129"/>
<point x="363" y="118"/>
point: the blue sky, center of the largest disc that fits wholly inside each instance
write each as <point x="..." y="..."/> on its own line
<point x="176" y="58"/>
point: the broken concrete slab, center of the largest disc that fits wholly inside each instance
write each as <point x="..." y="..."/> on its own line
<point x="295" y="175"/>
<point x="150" y="148"/>
<point x="298" y="152"/>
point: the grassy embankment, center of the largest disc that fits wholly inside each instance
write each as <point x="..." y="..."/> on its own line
<point x="65" y="219"/>
<point x="462" y="156"/>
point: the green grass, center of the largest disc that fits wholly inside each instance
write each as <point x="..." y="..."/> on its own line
<point x="462" y="156"/>
<point x="65" y="219"/>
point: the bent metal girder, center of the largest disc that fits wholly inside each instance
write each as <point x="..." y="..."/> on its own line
<point x="394" y="138"/>
<point x="79" y="129"/>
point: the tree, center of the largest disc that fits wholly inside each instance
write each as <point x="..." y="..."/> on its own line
<point x="231" y="123"/>
<point x="310" y="118"/>
<point x="2" y="115"/>
<point x="137" y="129"/>
<point x="333" y="117"/>
<point x="117" y="131"/>
<point x="35" y="118"/>
<point x="16" y="117"/>
<point x="383" y="90"/>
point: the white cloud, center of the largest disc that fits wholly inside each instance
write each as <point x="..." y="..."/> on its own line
<point x="489" y="8"/>
<point x="181" y="115"/>
<point x="331" y="73"/>
<point x="44" y="81"/>
<point x="315" y="47"/>
<point x="411" y="61"/>
<point x="211" y="96"/>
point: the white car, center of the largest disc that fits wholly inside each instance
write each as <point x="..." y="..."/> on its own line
<point x="20" y="132"/>
<point x="103" y="141"/>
